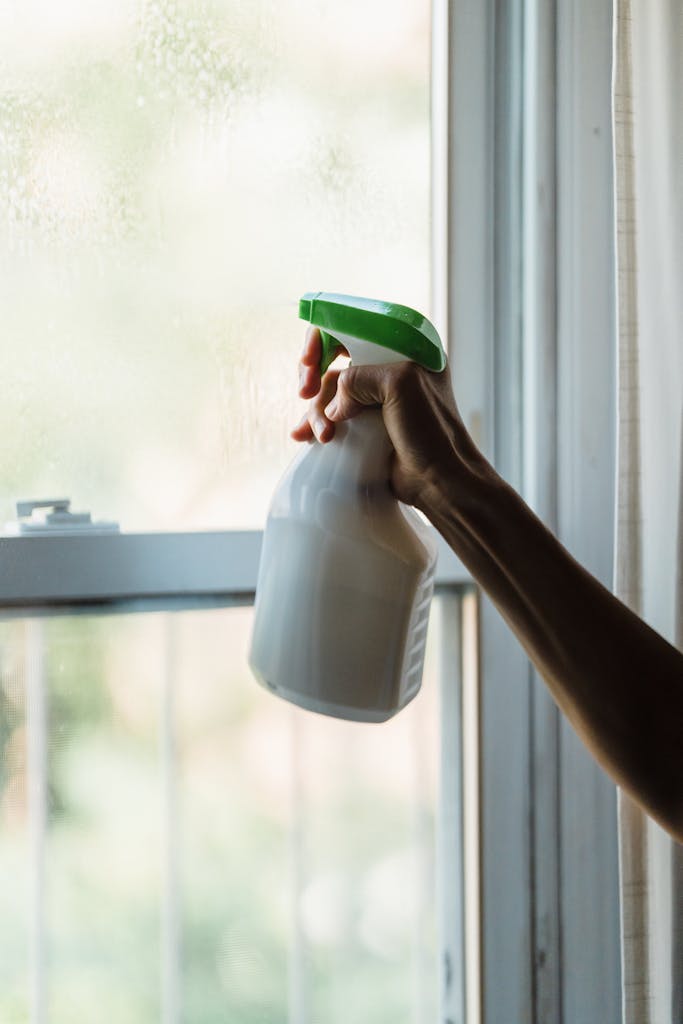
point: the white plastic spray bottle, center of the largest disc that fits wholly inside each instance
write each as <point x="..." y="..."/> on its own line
<point x="347" y="571"/>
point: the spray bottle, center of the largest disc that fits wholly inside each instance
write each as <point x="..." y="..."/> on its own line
<point x="347" y="571"/>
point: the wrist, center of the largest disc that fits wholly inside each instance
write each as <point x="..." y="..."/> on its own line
<point x="460" y="487"/>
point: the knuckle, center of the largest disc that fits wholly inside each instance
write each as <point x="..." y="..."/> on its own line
<point x="406" y="376"/>
<point x="345" y="382"/>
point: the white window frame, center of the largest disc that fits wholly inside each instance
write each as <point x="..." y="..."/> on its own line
<point x="43" y="575"/>
<point x="107" y="568"/>
<point x="527" y="851"/>
<point x="532" y="317"/>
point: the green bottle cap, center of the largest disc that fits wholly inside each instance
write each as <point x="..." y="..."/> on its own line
<point x="399" y="328"/>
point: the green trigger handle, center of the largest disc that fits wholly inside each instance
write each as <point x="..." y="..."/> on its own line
<point x="387" y="324"/>
<point x="330" y="350"/>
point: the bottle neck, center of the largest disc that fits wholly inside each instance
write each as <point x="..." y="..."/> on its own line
<point x="364" y="452"/>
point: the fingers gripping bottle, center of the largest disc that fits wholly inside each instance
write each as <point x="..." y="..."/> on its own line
<point x="347" y="571"/>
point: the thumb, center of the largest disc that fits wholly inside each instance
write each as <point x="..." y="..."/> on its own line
<point x="358" y="388"/>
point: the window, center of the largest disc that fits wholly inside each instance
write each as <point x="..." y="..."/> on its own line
<point x="173" y="175"/>
<point x="533" y="342"/>
<point x="181" y="845"/>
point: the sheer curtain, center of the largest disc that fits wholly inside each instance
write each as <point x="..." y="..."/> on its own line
<point x="648" y="126"/>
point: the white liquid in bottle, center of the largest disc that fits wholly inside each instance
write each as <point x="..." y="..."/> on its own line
<point x="345" y="582"/>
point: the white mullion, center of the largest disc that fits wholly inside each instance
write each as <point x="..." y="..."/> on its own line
<point x="37" y="769"/>
<point x="586" y="457"/>
<point x="472" y="812"/>
<point x="298" y="1000"/>
<point x="423" y="848"/>
<point x="41" y="571"/>
<point x="498" y="935"/>
<point x="440" y="142"/>
<point x="470" y="213"/>
<point x="450" y="866"/>
<point x="539" y="380"/>
<point x="507" y="81"/>
<point x="171" y="989"/>
<point x="539" y="465"/>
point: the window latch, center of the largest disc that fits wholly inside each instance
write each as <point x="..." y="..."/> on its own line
<point x="53" y="516"/>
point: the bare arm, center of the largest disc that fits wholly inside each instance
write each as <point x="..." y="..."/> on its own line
<point x="618" y="682"/>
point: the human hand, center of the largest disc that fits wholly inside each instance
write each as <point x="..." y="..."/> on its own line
<point x="419" y="411"/>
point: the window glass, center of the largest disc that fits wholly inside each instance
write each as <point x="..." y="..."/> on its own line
<point x="173" y="176"/>
<point x="182" y="845"/>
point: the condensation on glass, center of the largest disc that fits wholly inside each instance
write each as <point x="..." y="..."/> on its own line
<point x="173" y="175"/>
<point x="182" y="845"/>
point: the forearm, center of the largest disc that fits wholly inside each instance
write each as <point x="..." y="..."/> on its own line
<point x="618" y="681"/>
